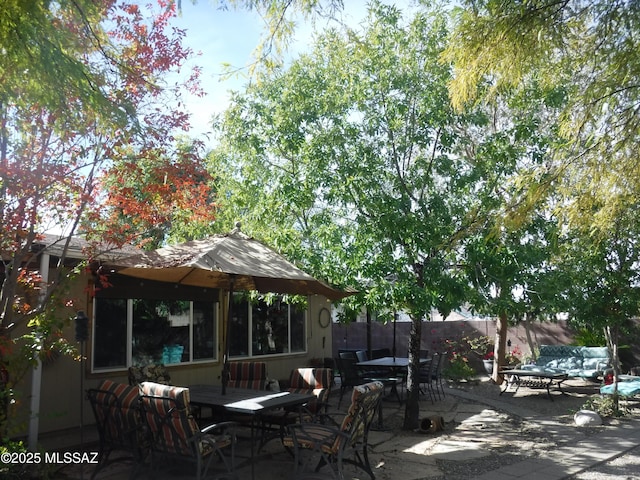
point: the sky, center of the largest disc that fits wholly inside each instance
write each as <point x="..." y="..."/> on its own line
<point x="231" y="36"/>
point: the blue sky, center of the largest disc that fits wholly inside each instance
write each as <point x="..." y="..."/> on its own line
<point x="231" y="36"/>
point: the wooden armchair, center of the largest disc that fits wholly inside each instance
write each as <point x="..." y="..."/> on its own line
<point x="116" y="408"/>
<point x="175" y="433"/>
<point x="346" y="442"/>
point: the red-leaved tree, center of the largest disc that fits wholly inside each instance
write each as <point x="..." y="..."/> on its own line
<point x="88" y="119"/>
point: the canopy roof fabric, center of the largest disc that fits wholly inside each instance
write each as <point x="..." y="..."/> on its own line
<point x="233" y="261"/>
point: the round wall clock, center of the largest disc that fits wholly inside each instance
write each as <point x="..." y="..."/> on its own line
<point x="324" y="317"/>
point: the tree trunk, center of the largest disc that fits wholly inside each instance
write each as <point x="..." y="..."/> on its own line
<point x="500" y="348"/>
<point x="528" y="320"/>
<point x="412" y="407"/>
<point x="612" y="343"/>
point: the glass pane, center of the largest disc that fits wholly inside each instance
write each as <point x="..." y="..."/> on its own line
<point x="270" y="328"/>
<point x="110" y="333"/>
<point x="204" y="339"/>
<point x="239" y="329"/>
<point x="297" y="330"/>
<point x="262" y="330"/>
<point x="160" y="331"/>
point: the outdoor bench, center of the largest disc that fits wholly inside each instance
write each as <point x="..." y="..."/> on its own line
<point x="575" y="361"/>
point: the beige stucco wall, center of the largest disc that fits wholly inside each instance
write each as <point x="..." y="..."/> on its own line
<point x="62" y="392"/>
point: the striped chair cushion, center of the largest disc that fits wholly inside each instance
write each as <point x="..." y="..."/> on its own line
<point x="362" y="410"/>
<point x="116" y="407"/>
<point x="251" y="375"/>
<point x="128" y="402"/>
<point x="166" y="410"/>
<point x="312" y="380"/>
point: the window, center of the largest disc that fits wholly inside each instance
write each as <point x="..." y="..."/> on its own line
<point x="160" y="331"/>
<point x="141" y="322"/>
<point x="275" y="328"/>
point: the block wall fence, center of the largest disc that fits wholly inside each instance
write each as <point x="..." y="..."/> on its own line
<point x="434" y="334"/>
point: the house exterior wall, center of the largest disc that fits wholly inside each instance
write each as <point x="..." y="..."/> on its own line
<point x="65" y="380"/>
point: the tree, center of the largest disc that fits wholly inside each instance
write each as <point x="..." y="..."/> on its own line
<point x="353" y="161"/>
<point x="589" y="49"/>
<point x="604" y="269"/>
<point x="83" y="89"/>
<point x="513" y="277"/>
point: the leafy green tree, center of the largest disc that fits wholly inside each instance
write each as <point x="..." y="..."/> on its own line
<point x="513" y="277"/>
<point x="604" y="270"/>
<point x="353" y="161"/>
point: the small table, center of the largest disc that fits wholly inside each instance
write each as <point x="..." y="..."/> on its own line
<point x="246" y="402"/>
<point x="534" y="379"/>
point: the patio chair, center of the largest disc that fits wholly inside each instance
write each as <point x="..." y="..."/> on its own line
<point x="380" y="352"/>
<point x="116" y="410"/>
<point x="338" y="444"/>
<point x="175" y="433"/>
<point x="387" y="377"/>
<point x="251" y="375"/>
<point x="312" y="380"/>
<point x="316" y="381"/>
<point x="349" y="373"/>
<point x="156" y="373"/>
<point x="436" y="375"/>
<point x="426" y="375"/>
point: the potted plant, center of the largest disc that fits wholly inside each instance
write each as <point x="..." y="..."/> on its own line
<point x="487" y="361"/>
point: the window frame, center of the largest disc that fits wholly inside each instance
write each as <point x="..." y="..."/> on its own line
<point x="250" y="304"/>
<point x="215" y="306"/>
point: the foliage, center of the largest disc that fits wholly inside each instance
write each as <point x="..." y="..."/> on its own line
<point x="280" y="20"/>
<point x="513" y="356"/>
<point x="457" y="367"/>
<point x="587" y="52"/>
<point x="481" y="345"/>
<point x="22" y="470"/>
<point x="94" y="94"/>
<point x="589" y="337"/>
<point x="606" y="406"/>
<point x="353" y="161"/>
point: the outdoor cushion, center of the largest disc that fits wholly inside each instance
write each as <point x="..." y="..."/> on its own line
<point x="575" y="361"/>
<point x="312" y="380"/>
<point x="625" y="389"/>
<point x="127" y="402"/>
<point x="251" y="375"/>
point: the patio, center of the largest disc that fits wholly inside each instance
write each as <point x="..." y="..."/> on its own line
<point x="523" y="435"/>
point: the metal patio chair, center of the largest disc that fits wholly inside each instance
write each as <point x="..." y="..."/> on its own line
<point x="175" y="433"/>
<point x="340" y="443"/>
<point x="116" y="409"/>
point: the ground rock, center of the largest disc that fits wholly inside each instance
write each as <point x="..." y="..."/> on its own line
<point x="585" y="418"/>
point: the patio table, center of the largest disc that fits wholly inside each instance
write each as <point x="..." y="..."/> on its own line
<point x="394" y="365"/>
<point x="252" y="403"/>
<point x="534" y="379"/>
